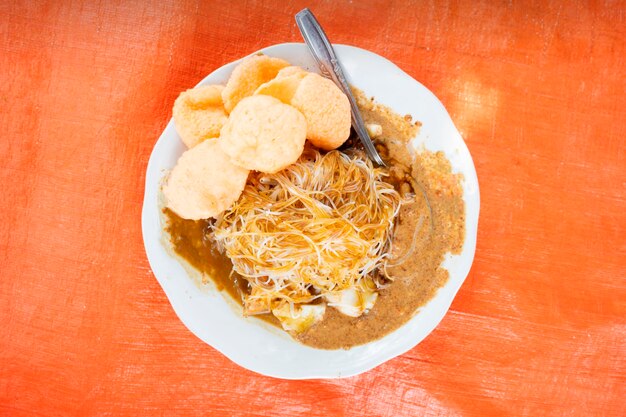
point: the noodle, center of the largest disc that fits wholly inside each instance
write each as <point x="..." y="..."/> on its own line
<point x="316" y="228"/>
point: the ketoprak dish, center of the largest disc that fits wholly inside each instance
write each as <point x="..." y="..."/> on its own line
<point x="273" y="204"/>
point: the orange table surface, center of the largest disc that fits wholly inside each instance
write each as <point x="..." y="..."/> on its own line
<point x="537" y="90"/>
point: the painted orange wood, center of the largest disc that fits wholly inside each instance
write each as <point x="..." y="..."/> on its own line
<point x="538" y="91"/>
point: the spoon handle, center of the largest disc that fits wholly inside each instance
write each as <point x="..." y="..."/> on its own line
<point x="329" y="65"/>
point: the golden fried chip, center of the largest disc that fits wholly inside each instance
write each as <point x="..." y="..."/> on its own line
<point x="282" y="88"/>
<point x="326" y="109"/>
<point x="199" y="114"/>
<point x="248" y="76"/>
<point x="291" y="70"/>
<point x="263" y="134"/>
<point x="204" y="182"/>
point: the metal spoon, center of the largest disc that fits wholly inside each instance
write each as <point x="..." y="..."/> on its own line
<point x="329" y="65"/>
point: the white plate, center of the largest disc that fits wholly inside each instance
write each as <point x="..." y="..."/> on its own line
<point x="270" y="351"/>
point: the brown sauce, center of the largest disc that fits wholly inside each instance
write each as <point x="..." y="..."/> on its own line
<point x="432" y="225"/>
<point x="190" y="240"/>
